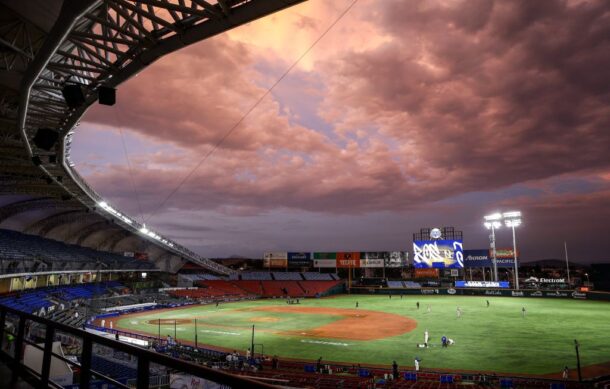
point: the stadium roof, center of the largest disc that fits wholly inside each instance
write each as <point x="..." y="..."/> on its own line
<point x="47" y="44"/>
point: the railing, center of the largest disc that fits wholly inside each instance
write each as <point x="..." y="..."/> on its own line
<point x="154" y="382"/>
<point x="145" y="358"/>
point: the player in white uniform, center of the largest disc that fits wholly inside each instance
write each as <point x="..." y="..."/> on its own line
<point x="459" y="312"/>
<point x="426" y="337"/>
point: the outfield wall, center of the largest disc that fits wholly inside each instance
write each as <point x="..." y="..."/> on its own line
<point x="484" y="292"/>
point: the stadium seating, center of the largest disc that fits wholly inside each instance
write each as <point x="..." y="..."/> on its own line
<point x="313" y="288"/>
<point x="222" y="288"/>
<point x="241" y="288"/>
<point x="257" y="275"/>
<point x="119" y="370"/>
<point x="395" y="284"/>
<point x="287" y="276"/>
<point x="313" y="276"/>
<point x="54" y="255"/>
<point x="29" y="302"/>
<point x="282" y="288"/>
<point x="34" y="300"/>
<point x="253" y="287"/>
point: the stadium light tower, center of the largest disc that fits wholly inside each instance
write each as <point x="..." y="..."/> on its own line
<point x="513" y="219"/>
<point x="492" y="222"/>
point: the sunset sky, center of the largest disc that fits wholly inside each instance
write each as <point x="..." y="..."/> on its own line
<point x="407" y="114"/>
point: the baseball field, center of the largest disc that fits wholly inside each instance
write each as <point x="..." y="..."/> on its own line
<point x="498" y="338"/>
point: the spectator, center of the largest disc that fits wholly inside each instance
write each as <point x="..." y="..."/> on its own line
<point x="395" y="370"/>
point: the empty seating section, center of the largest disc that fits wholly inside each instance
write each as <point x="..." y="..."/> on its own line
<point x="28" y="301"/>
<point x="199" y="277"/>
<point x="253" y="287"/>
<point x="17" y="246"/>
<point x="218" y="288"/>
<point x="287" y="276"/>
<point x="313" y="276"/>
<point x="313" y="288"/>
<point x="282" y="288"/>
<point x="404" y="284"/>
<point x="85" y="291"/>
<point x="214" y="289"/>
<point x="34" y="300"/>
<point x="118" y="370"/>
<point x="257" y="275"/>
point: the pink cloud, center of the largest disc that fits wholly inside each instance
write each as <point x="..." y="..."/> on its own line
<point x="442" y="99"/>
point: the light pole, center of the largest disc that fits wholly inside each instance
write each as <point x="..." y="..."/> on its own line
<point x="512" y="220"/>
<point x="577" y="346"/>
<point x="588" y="282"/>
<point x="492" y="222"/>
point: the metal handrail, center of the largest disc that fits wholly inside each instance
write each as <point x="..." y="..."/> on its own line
<point x="145" y="357"/>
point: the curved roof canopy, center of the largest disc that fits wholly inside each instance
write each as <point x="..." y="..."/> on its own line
<point x="48" y="44"/>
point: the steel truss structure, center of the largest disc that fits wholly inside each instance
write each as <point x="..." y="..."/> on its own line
<point x="45" y="45"/>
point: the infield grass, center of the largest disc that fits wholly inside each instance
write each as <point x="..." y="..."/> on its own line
<point x="497" y="338"/>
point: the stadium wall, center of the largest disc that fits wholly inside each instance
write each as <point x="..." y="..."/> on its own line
<point x="484" y="292"/>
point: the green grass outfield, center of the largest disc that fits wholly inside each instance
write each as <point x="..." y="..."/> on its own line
<point x="495" y="339"/>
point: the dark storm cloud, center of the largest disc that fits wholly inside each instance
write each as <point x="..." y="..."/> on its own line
<point x="513" y="92"/>
<point x="424" y="101"/>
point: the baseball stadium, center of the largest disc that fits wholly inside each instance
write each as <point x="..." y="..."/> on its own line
<point x="93" y="297"/>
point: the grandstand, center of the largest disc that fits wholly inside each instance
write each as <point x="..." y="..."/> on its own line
<point x="23" y="253"/>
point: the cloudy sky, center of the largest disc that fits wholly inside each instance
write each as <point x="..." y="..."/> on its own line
<point x="405" y="115"/>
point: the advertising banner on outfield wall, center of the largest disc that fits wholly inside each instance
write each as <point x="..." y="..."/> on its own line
<point x="325" y="255"/>
<point x="397" y="259"/>
<point x="505" y="257"/>
<point x="505" y="262"/>
<point x="348" y="259"/>
<point x="477" y="258"/>
<point x="481" y="284"/>
<point x="371" y="262"/>
<point x="438" y="254"/>
<point x="275" y="255"/>
<point x="426" y="273"/>
<point x="376" y="259"/>
<point x="325" y="263"/>
<point x="299" y="259"/>
<point x="275" y="262"/>
<point x="275" y="259"/>
<point x="384" y="259"/>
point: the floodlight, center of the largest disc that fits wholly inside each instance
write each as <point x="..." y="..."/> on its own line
<point x="144" y="230"/>
<point x="512" y="214"/>
<point x="493" y="224"/>
<point x="494" y="216"/>
<point x="512" y="223"/>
